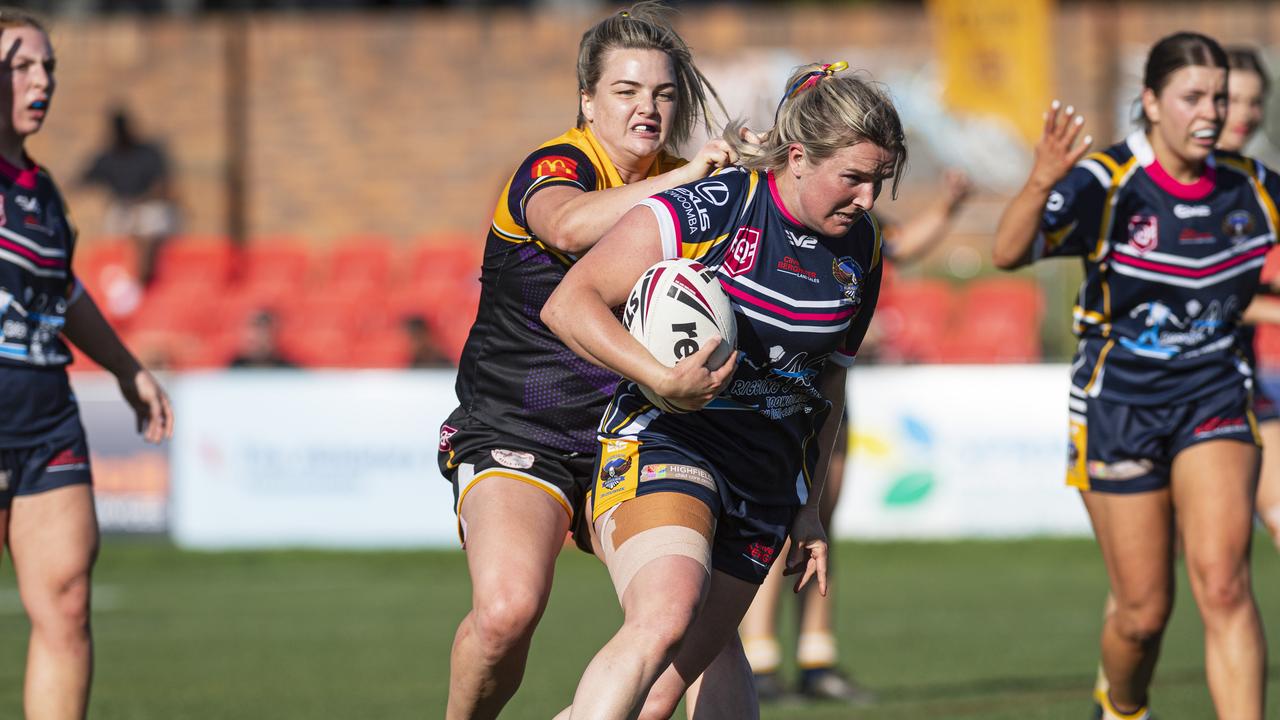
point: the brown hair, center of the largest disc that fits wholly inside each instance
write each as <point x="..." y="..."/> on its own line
<point x="12" y="17"/>
<point x="1243" y="58"/>
<point x="645" y="26"/>
<point x="835" y="112"/>
<point x="1174" y="52"/>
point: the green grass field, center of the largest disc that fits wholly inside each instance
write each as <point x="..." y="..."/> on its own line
<point x="988" y="630"/>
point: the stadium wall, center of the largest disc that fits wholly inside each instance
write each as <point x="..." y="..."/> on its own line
<point x="407" y="123"/>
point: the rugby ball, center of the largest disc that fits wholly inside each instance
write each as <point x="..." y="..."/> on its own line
<point x="674" y="308"/>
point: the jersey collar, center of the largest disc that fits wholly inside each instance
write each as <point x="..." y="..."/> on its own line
<point x="1198" y="190"/>
<point x="615" y="179"/>
<point x="22" y="177"/>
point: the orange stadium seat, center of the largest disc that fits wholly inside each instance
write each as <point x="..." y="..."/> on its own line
<point x="1268" y="347"/>
<point x="201" y="262"/>
<point x="274" y="269"/>
<point x="913" y="318"/>
<point x="445" y="259"/>
<point x="358" y="262"/>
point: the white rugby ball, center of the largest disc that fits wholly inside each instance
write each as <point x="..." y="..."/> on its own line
<point x="674" y="308"/>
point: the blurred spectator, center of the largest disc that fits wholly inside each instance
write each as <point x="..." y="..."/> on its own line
<point x="424" y="351"/>
<point x="136" y="175"/>
<point x="259" y="348"/>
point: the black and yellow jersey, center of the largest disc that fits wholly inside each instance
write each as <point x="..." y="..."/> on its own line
<point x="1169" y="267"/>
<point x="515" y="375"/>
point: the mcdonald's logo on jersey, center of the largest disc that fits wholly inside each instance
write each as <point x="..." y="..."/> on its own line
<point x="556" y="166"/>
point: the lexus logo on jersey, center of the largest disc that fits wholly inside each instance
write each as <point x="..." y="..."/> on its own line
<point x="743" y="251"/>
<point x="1144" y="233"/>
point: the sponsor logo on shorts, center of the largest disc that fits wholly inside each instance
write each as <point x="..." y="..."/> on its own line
<point x="67" y="460"/>
<point x="1119" y="471"/>
<point x="760" y="553"/>
<point x="614" y="471"/>
<point x="446" y="433"/>
<point x="688" y="473"/>
<point x="1220" y="426"/>
<point x="514" y="459"/>
<point x="742" y="252"/>
<point x="1144" y="233"/>
<point x="4" y="479"/>
<point x="556" y="166"/>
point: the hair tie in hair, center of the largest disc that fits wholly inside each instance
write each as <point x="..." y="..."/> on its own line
<point x="809" y="80"/>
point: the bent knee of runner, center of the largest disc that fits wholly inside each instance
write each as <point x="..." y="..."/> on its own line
<point x="646" y="528"/>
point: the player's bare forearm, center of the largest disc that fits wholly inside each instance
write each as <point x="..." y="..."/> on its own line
<point x="90" y="331"/>
<point x="831" y="383"/>
<point x="1018" y="226"/>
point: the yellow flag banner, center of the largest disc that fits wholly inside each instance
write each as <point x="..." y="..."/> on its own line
<point x="995" y="58"/>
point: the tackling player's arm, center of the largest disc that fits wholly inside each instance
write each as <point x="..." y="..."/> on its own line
<point x="571" y="220"/>
<point x="1056" y="154"/>
<point x="91" y="333"/>
<point x="580" y="312"/>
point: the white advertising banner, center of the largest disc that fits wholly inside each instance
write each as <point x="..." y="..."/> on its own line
<point x="958" y="451"/>
<point x="315" y="458"/>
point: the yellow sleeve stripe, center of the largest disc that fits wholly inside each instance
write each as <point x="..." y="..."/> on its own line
<point x="694" y="251"/>
<point x="875" y="227"/>
<point x="1118" y="175"/>
<point x="1247" y="169"/>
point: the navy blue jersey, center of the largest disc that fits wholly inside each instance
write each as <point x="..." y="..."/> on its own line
<point x="515" y="375"/>
<point x="1168" y="270"/>
<point x="800" y="301"/>
<point x="37" y="241"/>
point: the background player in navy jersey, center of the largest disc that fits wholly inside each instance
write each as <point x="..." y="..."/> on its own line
<point x="816" y="650"/>
<point x="47" y="518"/>
<point x="1247" y="86"/>
<point x="520" y="446"/>
<point x="1163" y="440"/>
<point x="703" y="502"/>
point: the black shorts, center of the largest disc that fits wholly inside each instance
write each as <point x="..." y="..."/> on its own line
<point x="748" y="536"/>
<point x="470" y="452"/>
<point x="57" y="459"/>
<point x="1264" y="408"/>
<point x="1122" y="448"/>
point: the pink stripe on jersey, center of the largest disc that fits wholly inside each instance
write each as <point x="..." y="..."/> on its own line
<point x="675" y="220"/>
<point x="24" y="252"/>
<point x="1197" y="190"/>
<point x="777" y="200"/>
<point x="1189" y="272"/>
<point x="789" y="314"/>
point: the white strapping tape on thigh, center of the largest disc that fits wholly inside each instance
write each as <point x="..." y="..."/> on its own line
<point x="624" y="562"/>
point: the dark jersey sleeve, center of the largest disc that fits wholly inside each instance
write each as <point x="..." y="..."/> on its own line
<point x="693" y="217"/>
<point x="1072" y="216"/>
<point x="1270" y="193"/>
<point x="867" y="289"/>
<point x="545" y="167"/>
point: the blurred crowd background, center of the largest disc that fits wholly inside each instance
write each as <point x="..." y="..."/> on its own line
<point x="328" y="168"/>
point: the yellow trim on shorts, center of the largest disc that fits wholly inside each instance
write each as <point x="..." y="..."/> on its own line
<point x="496" y="472"/>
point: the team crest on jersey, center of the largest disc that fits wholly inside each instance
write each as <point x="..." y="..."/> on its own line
<point x="614" y="472"/>
<point x="1238" y="225"/>
<point x="742" y="253"/>
<point x="514" y="459"/>
<point x="849" y="275"/>
<point x="1144" y="233"/>
<point x="556" y="166"/>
